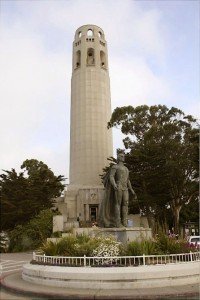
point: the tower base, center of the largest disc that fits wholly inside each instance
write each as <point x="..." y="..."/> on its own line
<point x="79" y="207"/>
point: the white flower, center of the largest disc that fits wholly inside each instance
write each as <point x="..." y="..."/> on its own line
<point x="107" y="248"/>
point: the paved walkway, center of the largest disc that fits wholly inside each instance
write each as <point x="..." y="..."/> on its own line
<point x="5" y="295"/>
<point x="14" y="282"/>
<point x="8" y="266"/>
<point x="10" y="262"/>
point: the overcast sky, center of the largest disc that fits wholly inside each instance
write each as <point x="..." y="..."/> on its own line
<point x="153" y="49"/>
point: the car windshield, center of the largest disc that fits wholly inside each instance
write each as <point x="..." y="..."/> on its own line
<point x="194" y="240"/>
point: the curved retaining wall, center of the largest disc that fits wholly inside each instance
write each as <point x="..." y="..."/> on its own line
<point x="113" y="277"/>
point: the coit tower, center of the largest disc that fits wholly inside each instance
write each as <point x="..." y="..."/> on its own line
<point x="90" y="140"/>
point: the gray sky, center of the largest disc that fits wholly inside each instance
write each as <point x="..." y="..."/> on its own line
<point x="153" y="49"/>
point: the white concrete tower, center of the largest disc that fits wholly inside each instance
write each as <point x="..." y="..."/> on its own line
<point x="90" y="140"/>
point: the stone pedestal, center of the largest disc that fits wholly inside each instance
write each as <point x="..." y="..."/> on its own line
<point x="122" y="235"/>
<point x="58" y="223"/>
<point x="79" y="205"/>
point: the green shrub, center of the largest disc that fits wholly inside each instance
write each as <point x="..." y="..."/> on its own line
<point x="133" y="249"/>
<point x="149" y="247"/>
<point x="77" y="246"/>
<point x="165" y="244"/>
<point x="137" y="248"/>
<point x="50" y="248"/>
<point x="85" y="248"/>
<point x="83" y="238"/>
<point x="169" y="245"/>
<point x="16" y="237"/>
<point x="66" y="246"/>
<point x="31" y="235"/>
<point x="57" y="234"/>
<point x="101" y="246"/>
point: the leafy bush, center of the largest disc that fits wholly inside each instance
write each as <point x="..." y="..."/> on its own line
<point x="50" y="248"/>
<point x="149" y="247"/>
<point x="83" y="238"/>
<point x="63" y="247"/>
<point x="137" y="248"/>
<point x="169" y="245"/>
<point x="161" y="245"/>
<point x="82" y="245"/>
<point x="33" y="234"/>
<point x="107" y="246"/>
<point x="66" y="246"/>
<point x="133" y="249"/>
<point x="57" y="234"/>
<point x="85" y="245"/>
<point x="69" y="246"/>
<point x="18" y="239"/>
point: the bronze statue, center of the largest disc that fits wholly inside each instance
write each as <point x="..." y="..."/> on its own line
<point x="114" y="208"/>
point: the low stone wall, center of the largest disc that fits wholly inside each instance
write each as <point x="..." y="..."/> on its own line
<point x="113" y="277"/>
<point x="124" y="235"/>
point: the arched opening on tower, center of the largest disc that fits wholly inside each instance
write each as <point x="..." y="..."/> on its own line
<point x="90" y="57"/>
<point x="103" y="59"/>
<point x="89" y="32"/>
<point x="78" y="59"/>
<point x="100" y="34"/>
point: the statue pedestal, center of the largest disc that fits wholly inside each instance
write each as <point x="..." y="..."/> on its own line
<point x="123" y="235"/>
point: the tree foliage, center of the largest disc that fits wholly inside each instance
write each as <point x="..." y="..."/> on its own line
<point x="31" y="235"/>
<point x="25" y="194"/>
<point x="162" y="158"/>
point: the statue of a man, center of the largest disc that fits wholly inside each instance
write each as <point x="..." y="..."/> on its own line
<point x="114" y="209"/>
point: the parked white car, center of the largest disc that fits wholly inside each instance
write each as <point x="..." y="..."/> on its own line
<point x="194" y="240"/>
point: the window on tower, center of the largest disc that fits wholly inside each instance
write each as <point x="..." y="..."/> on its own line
<point x="90" y="57"/>
<point x="78" y="59"/>
<point x="102" y="59"/>
<point x="89" y="32"/>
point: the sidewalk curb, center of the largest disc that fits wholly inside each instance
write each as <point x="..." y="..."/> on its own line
<point x="45" y="295"/>
<point x="19" y="291"/>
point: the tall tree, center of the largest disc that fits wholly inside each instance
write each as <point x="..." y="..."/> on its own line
<point x="14" y="199"/>
<point x="25" y="194"/>
<point x="163" y="156"/>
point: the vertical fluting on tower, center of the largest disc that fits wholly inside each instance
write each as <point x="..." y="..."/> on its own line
<point x="90" y="140"/>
